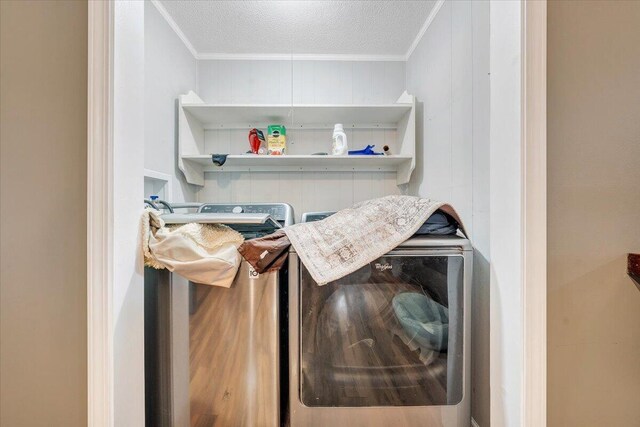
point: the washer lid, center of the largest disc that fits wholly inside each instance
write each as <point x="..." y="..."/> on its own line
<point x="221" y="218"/>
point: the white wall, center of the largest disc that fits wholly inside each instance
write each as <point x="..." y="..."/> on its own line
<point x="128" y="165"/>
<point x="170" y="70"/>
<point x="305" y="191"/>
<point x="593" y="213"/>
<point x="448" y="73"/>
<point x="43" y="221"/>
<point x="506" y="220"/>
<point x="480" y="191"/>
<point x="313" y="82"/>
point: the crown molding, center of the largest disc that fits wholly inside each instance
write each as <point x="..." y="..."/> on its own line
<point x="424" y="28"/>
<point x="167" y="17"/>
<point x="296" y="57"/>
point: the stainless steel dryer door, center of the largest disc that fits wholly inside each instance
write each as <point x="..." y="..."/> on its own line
<point x="389" y="334"/>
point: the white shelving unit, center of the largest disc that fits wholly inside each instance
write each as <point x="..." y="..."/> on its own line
<point x="197" y="120"/>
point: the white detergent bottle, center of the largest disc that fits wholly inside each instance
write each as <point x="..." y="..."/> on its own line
<point x="339" y="147"/>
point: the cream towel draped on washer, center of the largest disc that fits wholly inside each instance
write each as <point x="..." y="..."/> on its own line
<point x="202" y="253"/>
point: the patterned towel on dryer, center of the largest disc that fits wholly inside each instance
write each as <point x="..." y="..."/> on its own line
<point x="351" y="238"/>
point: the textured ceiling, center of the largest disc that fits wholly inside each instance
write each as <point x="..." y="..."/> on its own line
<point x="301" y="27"/>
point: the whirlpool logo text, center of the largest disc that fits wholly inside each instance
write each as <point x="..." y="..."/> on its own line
<point x="383" y="267"/>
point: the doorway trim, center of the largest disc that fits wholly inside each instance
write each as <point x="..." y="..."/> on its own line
<point x="532" y="220"/>
<point x="100" y="331"/>
<point x="534" y="140"/>
<point x="518" y="213"/>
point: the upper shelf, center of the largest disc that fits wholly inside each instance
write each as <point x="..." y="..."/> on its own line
<point x="233" y="115"/>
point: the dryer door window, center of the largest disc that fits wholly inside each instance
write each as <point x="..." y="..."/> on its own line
<point x="389" y="334"/>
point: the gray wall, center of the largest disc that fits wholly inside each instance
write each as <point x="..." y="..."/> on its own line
<point x="170" y="71"/>
<point x="43" y="155"/>
<point x="593" y="142"/>
<point x="448" y="73"/>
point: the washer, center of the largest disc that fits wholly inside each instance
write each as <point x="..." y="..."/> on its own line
<point x="216" y="359"/>
<point x="387" y="345"/>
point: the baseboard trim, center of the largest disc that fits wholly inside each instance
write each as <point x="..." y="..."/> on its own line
<point x="474" y="423"/>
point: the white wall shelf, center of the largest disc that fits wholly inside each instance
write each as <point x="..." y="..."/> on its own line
<point x="197" y="119"/>
<point x="259" y="163"/>
<point x="157" y="183"/>
<point x="320" y="116"/>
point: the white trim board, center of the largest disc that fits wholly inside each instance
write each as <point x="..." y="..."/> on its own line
<point x="175" y="27"/>
<point x="534" y="127"/>
<point x="296" y="57"/>
<point x="474" y="423"/>
<point x="518" y="213"/>
<point x="100" y="366"/>
<point x="424" y="28"/>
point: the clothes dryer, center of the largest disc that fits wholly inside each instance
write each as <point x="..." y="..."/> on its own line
<point x="387" y="345"/>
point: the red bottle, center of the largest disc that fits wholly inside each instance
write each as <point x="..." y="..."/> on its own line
<point x="256" y="138"/>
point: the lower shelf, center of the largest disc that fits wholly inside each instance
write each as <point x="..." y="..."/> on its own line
<point x="194" y="166"/>
<point x="249" y="162"/>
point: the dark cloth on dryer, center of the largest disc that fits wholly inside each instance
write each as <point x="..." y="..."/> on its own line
<point x="266" y="253"/>
<point x="439" y="223"/>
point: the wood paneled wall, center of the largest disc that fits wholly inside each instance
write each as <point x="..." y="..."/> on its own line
<point x="170" y="70"/>
<point x="313" y="82"/>
<point x="300" y="82"/>
<point x="305" y="191"/>
<point x="448" y="72"/>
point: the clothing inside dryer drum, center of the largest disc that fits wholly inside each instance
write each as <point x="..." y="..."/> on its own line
<point x="425" y="323"/>
<point x="389" y="334"/>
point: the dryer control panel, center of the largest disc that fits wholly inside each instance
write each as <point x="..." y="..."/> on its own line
<point x="281" y="212"/>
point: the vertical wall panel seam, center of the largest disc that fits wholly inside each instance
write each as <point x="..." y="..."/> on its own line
<point x="451" y="103"/>
<point x="473" y="127"/>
